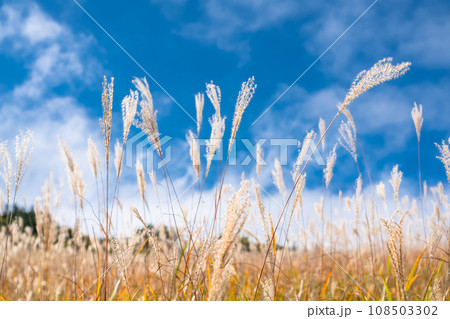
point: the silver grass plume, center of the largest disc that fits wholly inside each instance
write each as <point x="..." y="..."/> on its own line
<point x="199" y="104"/>
<point x="46" y="226"/>
<point x="217" y="130"/>
<point x="310" y="136"/>
<point x="445" y="157"/>
<point x="213" y="93"/>
<point x="236" y="216"/>
<point x="244" y="98"/>
<point x="349" y="117"/>
<point x="322" y="128"/>
<point x="73" y="173"/>
<point x="118" y="152"/>
<point x="23" y="148"/>
<point x="120" y="260"/>
<point x="348" y="134"/>
<point x="270" y="239"/>
<point x="265" y="218"/>
<point x="153" y="241"/>
<point x="259" y="159"/>
<point x="318" y="207"/>
<point x="147" y="114"/>
<point x="381" y="191"/>
<point x="105" y="123"/>
<point x="8" y="170"/>
<point x="416" y="114"/>
<point x="396" y="179"/>
<point x="278" y="180"/>
<point x="194" y="151"/>
<point x="80" y="185"/>
<point x="140" y="179"/>
<point x="395" y="248"/>
<point x="298" y="195"/>
<point x="381" y="72"/>
<point x="129" y="107"/>
<point x="153" y="179"/>
<point x="201" y="260"/>
<point x="268" y="289"/>
<point x="94" y="158"/>
<point x="328" y="171"/>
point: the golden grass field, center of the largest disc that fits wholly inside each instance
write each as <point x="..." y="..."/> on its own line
<point x="388" y="250"/>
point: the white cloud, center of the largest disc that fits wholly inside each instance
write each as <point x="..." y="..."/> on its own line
<point x="54" y="55"/>
<point x="228" y="25"/>
<point x="406" y="30"/>
<point x="53" y="66"/>
<point x="39" y="27"/>
<point x="54" y="58"/>
<point x="61" y="58"/>
<point x="382" y="116"/>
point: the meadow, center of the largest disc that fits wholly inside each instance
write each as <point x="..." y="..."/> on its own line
<point x="389" y="250"/>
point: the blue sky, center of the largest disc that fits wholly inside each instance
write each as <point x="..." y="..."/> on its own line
<point x="53" y="58"/>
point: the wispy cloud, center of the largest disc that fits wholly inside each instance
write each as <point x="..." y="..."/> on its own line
<point x="229" y="25"/>
<point x="54" y="55"/>
<point x="403" y="29"/>
<point x="50" y="50"/>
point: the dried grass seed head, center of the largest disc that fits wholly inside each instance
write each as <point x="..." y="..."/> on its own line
<point x="94" y="157"/>
<point x="244" y="97"/>
<point x="322" y="128"/>
<point x="259" y="159"/>
<point x="194" y="151"/>
<point x="153" y="179"/>
<point x="381" y="192"/>
<point x="24" y="144"/>
<point x="278" y="180"/>
<point x="199" y="104"/>
<point x="217" y="131"/>
<point x="118" y="158"/>
<point x="396" y="179"/>
<point x="381" y="72"/>
<point x="214" y="95"/>
<point x="8" y="169"/>
<point x="328" y="171"/>
<point x="105" y="123"/>
<point x="147" y="122"/>
<point x="416" y="114"/>
<point x="298" y="195"/>
<point x="310" y="136"/>
<point x="129" y="108"/>
<point x="445" y="157"/>
<point x="140" y="179"/>
<point x="348" y="134"/>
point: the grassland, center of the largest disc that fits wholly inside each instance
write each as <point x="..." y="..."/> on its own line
<point x="401" y="256"/>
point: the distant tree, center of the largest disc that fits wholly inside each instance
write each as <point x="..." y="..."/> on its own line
<point x="28" y="218"/>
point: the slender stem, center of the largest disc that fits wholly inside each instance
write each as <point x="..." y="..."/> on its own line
<point x="420" y="190"/>
<point x="289" y="197"/>
<point x="106" y="230"/>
